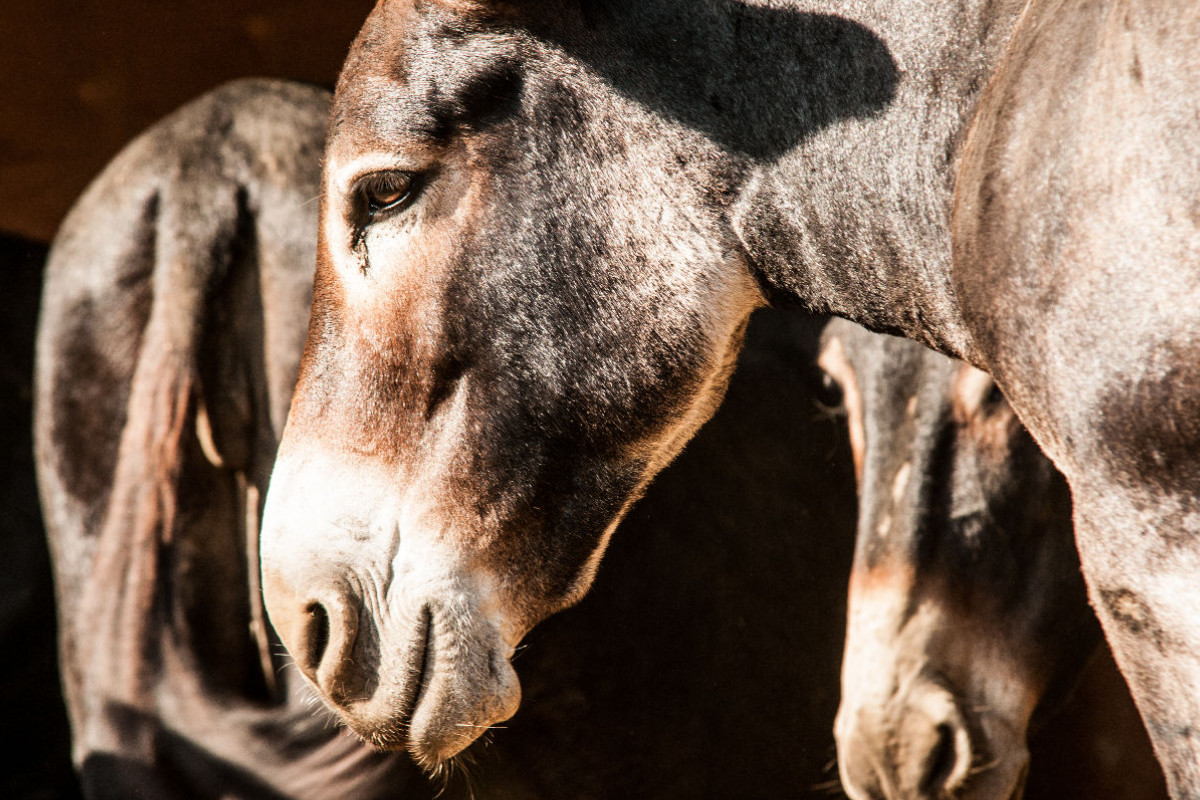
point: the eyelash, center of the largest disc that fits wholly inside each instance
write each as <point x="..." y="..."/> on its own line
<point x="382" y="192"/>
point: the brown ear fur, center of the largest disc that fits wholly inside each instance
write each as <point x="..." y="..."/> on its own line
<point x="193" y="240"/>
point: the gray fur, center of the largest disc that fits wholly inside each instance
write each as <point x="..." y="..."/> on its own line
<point x="641" y="162"/>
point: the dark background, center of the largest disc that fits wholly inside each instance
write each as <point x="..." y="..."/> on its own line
<point x="80" y="78"/>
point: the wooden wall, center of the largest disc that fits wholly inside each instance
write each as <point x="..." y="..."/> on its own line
<point x="79" y="78"/>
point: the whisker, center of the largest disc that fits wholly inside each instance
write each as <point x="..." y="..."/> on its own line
<point x="832" y="787"/>
<point x="982" y="768"/>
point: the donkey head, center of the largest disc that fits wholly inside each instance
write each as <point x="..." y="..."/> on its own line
<point x="526" y="301"/>
<point x="967" y="606"/>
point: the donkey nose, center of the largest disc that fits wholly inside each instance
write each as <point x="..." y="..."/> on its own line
<point x="319" y="628"/>
<point x="933" y="758"/>
<point x="918" y="747"/>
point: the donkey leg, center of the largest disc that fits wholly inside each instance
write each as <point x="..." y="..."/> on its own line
<point x="1140" y="550"/>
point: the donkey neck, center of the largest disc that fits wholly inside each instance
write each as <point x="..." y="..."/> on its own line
<point x="853" y="219"/>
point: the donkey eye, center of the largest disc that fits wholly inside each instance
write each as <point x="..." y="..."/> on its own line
<point x="829" y="393"/>
<point x="381" y="192"/>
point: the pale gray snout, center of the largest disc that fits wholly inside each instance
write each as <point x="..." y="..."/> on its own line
<point x="320" y="628"/>
<point x="916" y="746"/>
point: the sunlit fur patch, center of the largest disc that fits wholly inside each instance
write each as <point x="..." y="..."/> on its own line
<point x="421" y="599"/>
<point x="877" y="601"/>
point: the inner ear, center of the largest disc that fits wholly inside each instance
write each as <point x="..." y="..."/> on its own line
<point x="230" y="369"/>
<point x="224" y="422"/>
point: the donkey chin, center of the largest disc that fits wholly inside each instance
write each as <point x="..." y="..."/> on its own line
<point x="429" y="681"/>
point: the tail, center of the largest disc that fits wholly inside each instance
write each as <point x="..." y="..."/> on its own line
<point x="194" y="236"/>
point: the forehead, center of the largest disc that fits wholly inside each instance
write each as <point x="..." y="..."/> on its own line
<point x="417" y="74"/>
<point x="894" y="373"/>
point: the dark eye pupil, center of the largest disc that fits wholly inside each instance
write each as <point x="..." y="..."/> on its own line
<point x="830" y="392"/>
<point x="381" y="201"/>
<point x="386" y="190"/>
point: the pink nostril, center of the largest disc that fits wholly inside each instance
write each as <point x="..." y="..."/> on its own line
<point x="320" y="629"/>
<point x="935" y="752"/>
<point x="942" y="762"/>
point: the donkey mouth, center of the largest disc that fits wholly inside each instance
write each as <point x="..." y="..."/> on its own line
<point x="419" y="665"/>
<point x="446" y="686"/>
<point x="385" y="722"/>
